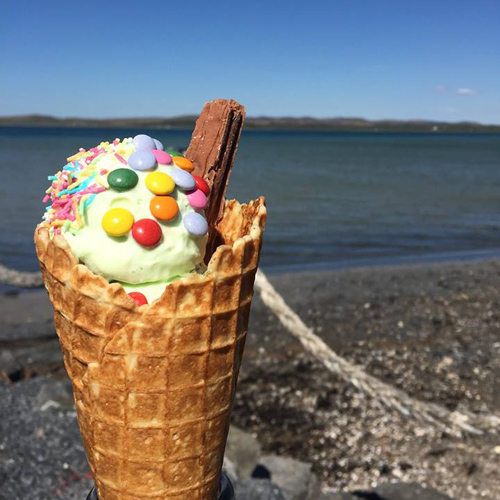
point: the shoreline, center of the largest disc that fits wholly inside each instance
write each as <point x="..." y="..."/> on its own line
<point x="339" y="266"/>
<point x="271" y="124"/>
<point x="445" y="257"/>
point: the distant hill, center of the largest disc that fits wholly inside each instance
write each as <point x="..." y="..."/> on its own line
<point x="260" y="122"/>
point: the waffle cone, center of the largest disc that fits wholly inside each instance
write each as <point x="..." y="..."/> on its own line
<point x="154" y="385"/>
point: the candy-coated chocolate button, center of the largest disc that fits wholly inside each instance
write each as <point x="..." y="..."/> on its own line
<point x="143" y="159"/>
<point x="158" y="144"/>
<point x="161" y="157"/>
<point x="140" y="298"/>
<point x="160" y="183"/>
<point x="117" y="221"/>
<point x="197" y="199"/>
<point x="143" y="141"/>
<point x="183" y="163"/>
<point x="147" y="232"/>
<point x="164" y="207"/>
<point x="173" y="152"/>
<point x="202" y="184"/>
<point x="183" y="179"/>
<point x="122" y="179"/>
<point x="195" y="224"/>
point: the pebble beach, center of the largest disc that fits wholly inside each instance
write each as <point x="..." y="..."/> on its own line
<point x="431" y="330"/>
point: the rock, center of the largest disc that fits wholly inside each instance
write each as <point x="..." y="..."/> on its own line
<point x="230" y="469"/>
<point x="243" y="450"/>
<point x="41" y="453"/>
<point x="8" y="362"/>
<point x="407" y="491"/>
<point x="26" y="316"/>
<point x="295" y="479"/>
<point x="57" y="394"/>
<point x="261" y="472"/>
<point x="257" y="489"/>
<point x="30" y="357"/>
<point x="390" y="491"/>
<point x="341" y="495"/>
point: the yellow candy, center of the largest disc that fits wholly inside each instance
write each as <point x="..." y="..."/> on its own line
<point x="160" y="183"/>
<point x="183" y="163"/>
<point x="117" y="221"/>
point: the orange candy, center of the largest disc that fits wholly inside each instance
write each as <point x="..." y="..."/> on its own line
<point x="183" y="163"/>
<point x="164" y="207"/>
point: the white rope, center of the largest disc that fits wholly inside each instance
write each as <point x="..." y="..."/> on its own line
<point x="386" y="394"/>
<point x="389" y="396"/>
<point x="20" y="279"/>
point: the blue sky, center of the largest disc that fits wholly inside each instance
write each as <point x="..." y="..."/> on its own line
<point x="368" y="58"/>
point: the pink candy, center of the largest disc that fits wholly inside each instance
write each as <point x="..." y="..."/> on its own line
<point x="162" y="157"/>
<point x="197" y="199"/>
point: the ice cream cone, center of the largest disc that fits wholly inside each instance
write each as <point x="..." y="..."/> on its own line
<point x="154" y="385"/>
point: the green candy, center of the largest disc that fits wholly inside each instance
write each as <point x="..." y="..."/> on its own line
<point x="173" y="152"/>
<point x="122" y="179"/>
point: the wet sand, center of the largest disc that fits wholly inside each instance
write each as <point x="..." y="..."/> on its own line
<point x="431" y="330"/>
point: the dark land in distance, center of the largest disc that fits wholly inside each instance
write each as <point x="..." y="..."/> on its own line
<point x="339" y="124"/>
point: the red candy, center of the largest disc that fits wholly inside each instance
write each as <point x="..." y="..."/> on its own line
<point x="140" y="298"/>
<point x="147" y="232"/>
<point x="202" y="184"/>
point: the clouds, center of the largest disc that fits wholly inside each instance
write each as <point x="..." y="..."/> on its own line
<point x="464" y="91"/>
<point x="451" y="99"/>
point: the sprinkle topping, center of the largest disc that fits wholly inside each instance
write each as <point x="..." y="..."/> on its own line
<point x="74" y="187"/>
<point x="121" y="166"/>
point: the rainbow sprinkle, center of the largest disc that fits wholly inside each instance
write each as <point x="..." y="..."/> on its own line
<point x="75" y="187"/>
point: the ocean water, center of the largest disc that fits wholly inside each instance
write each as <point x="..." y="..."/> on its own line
<point x="334" y="199"/>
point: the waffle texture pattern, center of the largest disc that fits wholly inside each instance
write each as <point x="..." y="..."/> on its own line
<point x="154" y="385"/>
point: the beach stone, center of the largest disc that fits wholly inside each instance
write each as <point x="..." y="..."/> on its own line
<point x="340" y="495"/>
<point x="407" y="491"/>
<point x="8" y="362"/>
<point x="230" y="469"/>
<point x="39" y="357"/>
<point x="57" y="394"/>
<point x="389" y="491"/>
<point x="243" y="450"/>
<point x="295" y="478"/>
<point x="257" y="489"/>
<point x="26" y="316"/>
<point x="261" y="472"/>
<point x="41" y="453"/>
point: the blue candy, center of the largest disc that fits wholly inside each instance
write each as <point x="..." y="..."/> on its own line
<point x="183" y="180"/>
<point x="195" y="224"/>
<point x="142" y="160"/>
<point x="158" y="144"/>
<point x="143" y="141"/>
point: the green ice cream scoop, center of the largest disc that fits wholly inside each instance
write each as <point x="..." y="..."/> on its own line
<point x="131" y="214"/>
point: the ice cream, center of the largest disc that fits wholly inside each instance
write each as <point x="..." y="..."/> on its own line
<point x="131" y="212"/>
<point x="153" y="383"/>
